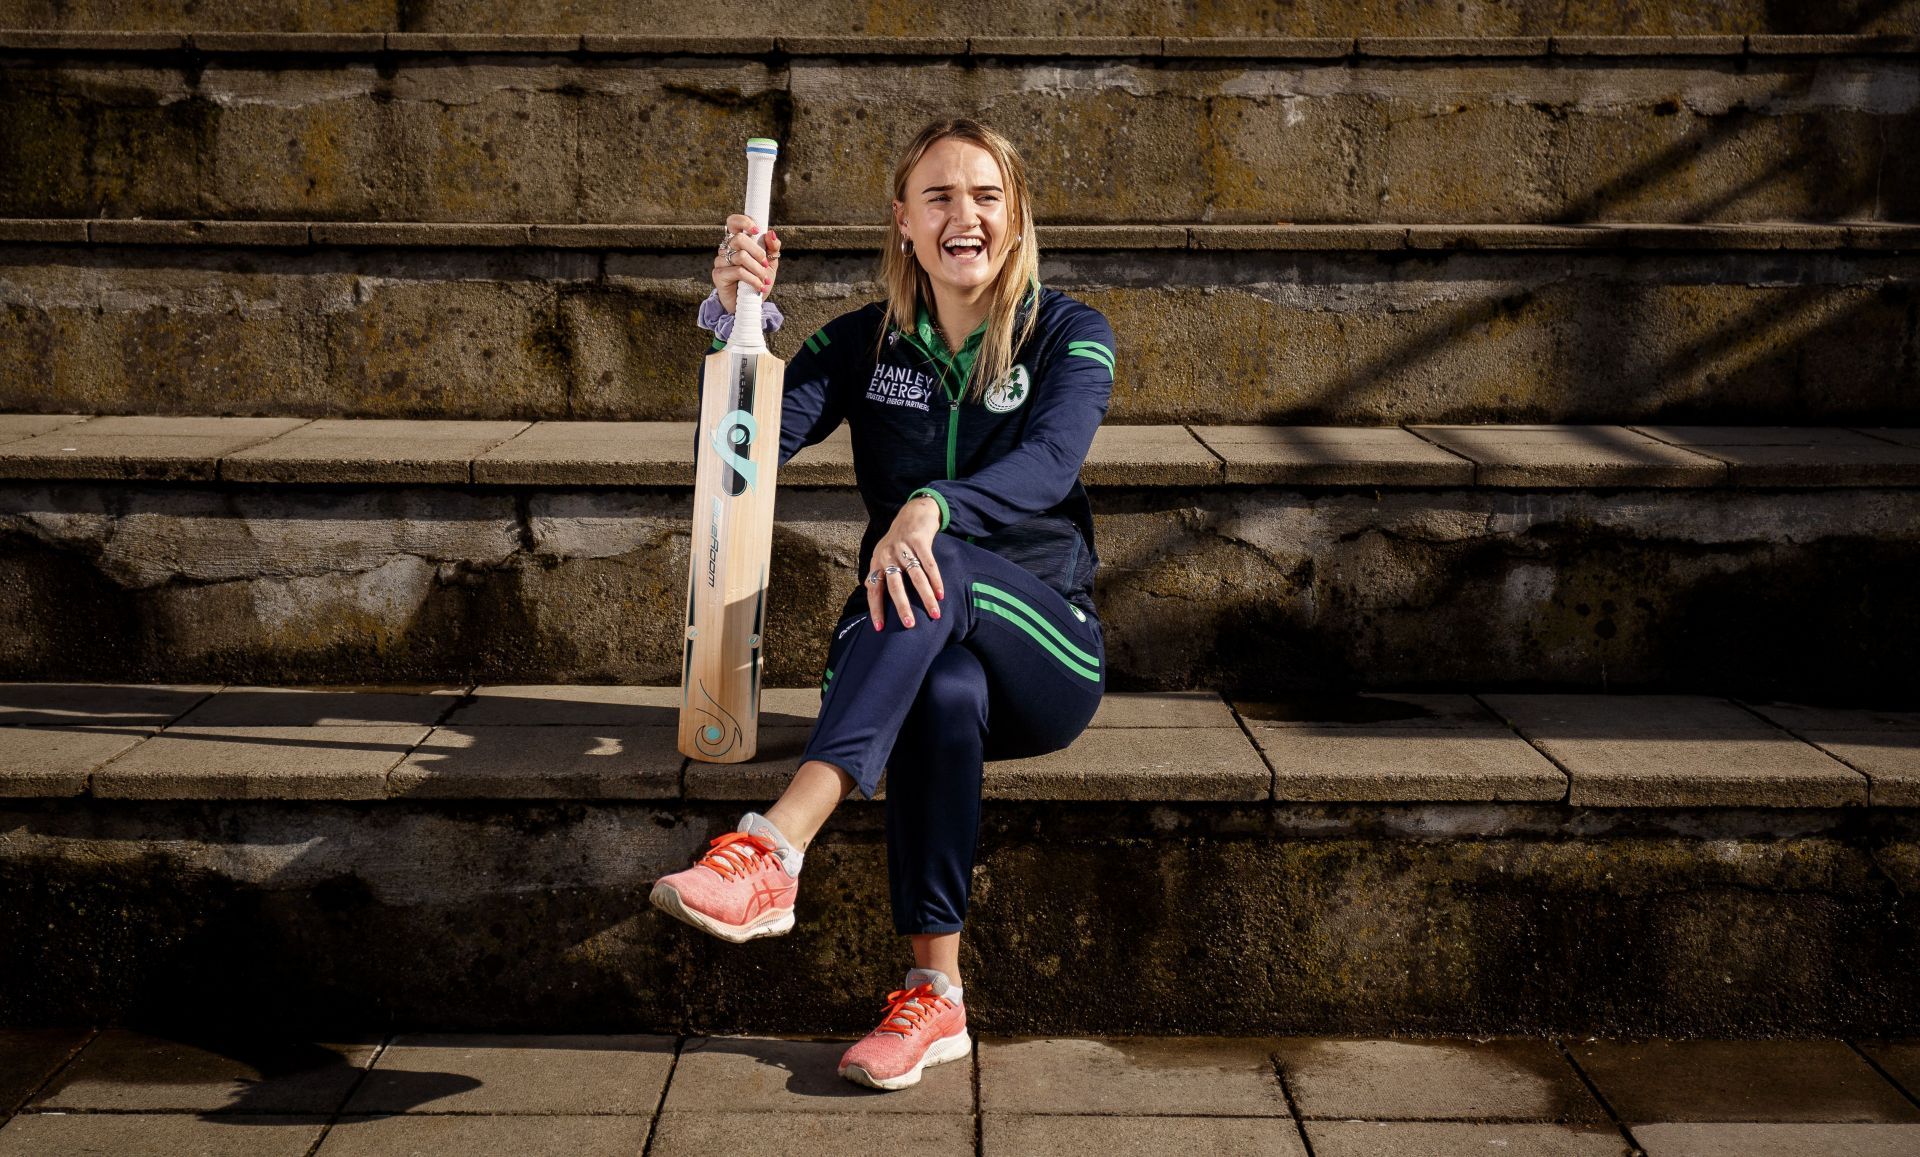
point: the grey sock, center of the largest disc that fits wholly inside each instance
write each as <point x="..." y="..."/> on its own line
<point x="755" y="824"/>
<point x="938" y="979"/>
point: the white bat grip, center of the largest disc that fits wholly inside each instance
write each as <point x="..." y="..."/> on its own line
<point x="747" y="333"/>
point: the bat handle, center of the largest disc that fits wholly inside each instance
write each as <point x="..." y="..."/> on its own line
<point x="747" y="335"/>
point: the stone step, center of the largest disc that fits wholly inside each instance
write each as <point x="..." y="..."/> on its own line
<point x="1774" y="323"/>
<point x="566" y="19"/>
<point x="1769" y="561"/>
<point x="478" y="856"/>
<point x="1155" y="129"/>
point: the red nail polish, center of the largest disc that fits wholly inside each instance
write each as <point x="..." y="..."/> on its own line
<point x="935" y="614"/>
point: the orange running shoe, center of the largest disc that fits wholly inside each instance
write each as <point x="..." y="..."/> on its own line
<point x="921" y="1027"/>
<point x="742" y="887"/>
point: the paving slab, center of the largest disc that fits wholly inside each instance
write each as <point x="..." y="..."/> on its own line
<point x="1740" y="1081"/>
<point x="370" y="450"/>
<point x="1370" y="709"/>
<point x="1773" y="1140"/>
<point x="776" y="757"/>
<point x="1797" y="717"/>
<point x="636" y="454"/>
<point x="1797" y="455"/>
<point x="1163" y="709"/>
<point x="158" y="1135"/>
<point x="1137" y="764"/>
<point x="28" y="1056"/>
<point x="1901" y="1059"/>
<point x="1802" y="436"/>
<point x="828" y="462"/>
<point x="125" y="1071"/>
<point x="1148" y="456"/>
<point x="1890" y="759"/>
<point x="591" y="454"/>
<point x="1133" y="1075"/>
<point x="14" y="427"/>
<point x="1573" y="455"/>
<point x="241" y="705"/>
<point x="1445" y="1139"/>
<point x="139" y="448"/>
<point x="542" y="763"/>
<point x="1028" y="1134"/>
<point x="319" y="762"/>
<point x="121" y="704"/>
<point x="1333" y="456"/>
<point x="798" y="1075"/>
<point x="1902" y="436"/>
<point x="1099" y="237"/>
<point x="487" y="1135"/>
<point x="1677" y="750"/>
<point x="1299" y="238"/>
<point x="1512" y="1080"/>
<point x="515" y="1073"/>
<point x="59" y="761"/>
<point x="804" y="1134"/>
<point x="1883" y="745"/>
<point x="611" y="705"/>
<point x="1406" y="763"/>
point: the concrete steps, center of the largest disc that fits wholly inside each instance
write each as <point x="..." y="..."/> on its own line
<point x="1471" y="18"/>
<point x="478" y="857"/>
<point x="1359" y="324"/>
<point x="1261" y="559"/>
<point x="1117" y="130"/>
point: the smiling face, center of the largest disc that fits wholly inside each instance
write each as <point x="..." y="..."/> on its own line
<point x="955" y="213"/>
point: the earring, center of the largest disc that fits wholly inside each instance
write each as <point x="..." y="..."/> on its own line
<point x="906" y="245"/>
<point x="1016" y="238"/>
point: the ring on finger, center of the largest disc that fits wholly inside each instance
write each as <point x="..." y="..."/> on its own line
<point x="893" y="570"/>
<point x="873" y="580"/>
<point x="912" y="562"/>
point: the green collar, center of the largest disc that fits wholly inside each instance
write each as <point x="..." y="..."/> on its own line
<point x="957" y="365"/>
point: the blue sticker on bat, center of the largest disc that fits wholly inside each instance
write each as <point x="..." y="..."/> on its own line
<point x="737" y="429"/>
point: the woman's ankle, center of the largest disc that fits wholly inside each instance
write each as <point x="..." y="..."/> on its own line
<point x="802" y="810"/>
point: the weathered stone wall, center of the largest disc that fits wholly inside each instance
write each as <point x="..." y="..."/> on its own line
<point x="553" y="138"/>
<point x="895" y="18"/>
<point x="1789" y="593"/>
<point x="1228" y="337"/>
<point x="1296" y="918"/>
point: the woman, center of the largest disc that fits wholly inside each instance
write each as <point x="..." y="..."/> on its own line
<point x="972" y="395"/>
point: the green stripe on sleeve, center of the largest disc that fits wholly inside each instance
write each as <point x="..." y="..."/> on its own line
<point x="718" y="345"/>
<point x="1090" y="345"/>
<point x="813" y="344"/>
<point x="1018" y="621"/>
<point x="1091" y="356"/>
<point x="1040" y="619"/>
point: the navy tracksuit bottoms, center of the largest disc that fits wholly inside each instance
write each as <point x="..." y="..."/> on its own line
<point x="1010" y="669"/>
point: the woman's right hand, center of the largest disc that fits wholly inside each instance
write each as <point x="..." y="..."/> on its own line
<point x="756" y="260"/>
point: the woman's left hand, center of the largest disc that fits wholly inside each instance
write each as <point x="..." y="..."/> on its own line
<point x="908" y="546"/>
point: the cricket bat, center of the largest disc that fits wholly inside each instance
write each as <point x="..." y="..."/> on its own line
<point x="736" y="455"/>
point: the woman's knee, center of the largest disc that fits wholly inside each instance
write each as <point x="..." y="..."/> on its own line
<point x="955" y="687"/>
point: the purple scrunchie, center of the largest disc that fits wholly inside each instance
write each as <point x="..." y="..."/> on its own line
<point x="714" y="316"/>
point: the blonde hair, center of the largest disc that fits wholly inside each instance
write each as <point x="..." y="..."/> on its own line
<point x="907" y="284"/>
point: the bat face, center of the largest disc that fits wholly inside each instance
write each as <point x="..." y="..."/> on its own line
<point x="736" y="459"/>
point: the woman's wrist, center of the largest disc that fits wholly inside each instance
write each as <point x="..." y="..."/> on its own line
<point x="714" y="315"/>
<point x="935" y="500"/>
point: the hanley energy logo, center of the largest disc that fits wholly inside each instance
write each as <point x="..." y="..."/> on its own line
<point x="1007" y="393"/>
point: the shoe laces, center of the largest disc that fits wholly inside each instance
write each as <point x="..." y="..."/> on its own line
<point x="911" y="1006"/>
<point x="730" y="858"/>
